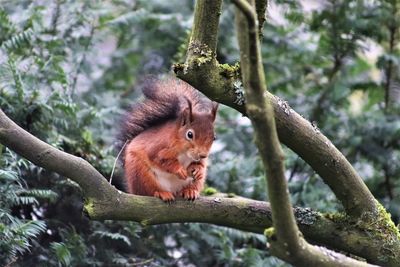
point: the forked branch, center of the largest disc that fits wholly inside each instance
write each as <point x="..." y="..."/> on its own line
<point x="285" y="238"/>
<point x="222" y="83"/>
<point x="104" y="202"/>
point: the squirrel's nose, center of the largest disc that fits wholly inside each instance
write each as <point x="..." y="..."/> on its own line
<point x="203" y="156"/>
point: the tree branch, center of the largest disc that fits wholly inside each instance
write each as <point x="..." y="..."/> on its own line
<point x="203" y="44"/>
<point x="261" y="115"/>
<point x="102" y="202"/>
<point x="222" y="83"/>
<point x="261" y="8"/>
<point x="286" y="241"/>
<point x="392" y="28"/>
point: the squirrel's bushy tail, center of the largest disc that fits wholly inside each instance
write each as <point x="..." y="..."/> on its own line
<point x="164" y="99"/>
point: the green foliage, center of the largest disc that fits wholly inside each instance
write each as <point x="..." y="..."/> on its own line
<point x="16" y="233"/>
<point x="68" y="70"/>
<point x="113" y="236"/>
<point x="62" y="253"/>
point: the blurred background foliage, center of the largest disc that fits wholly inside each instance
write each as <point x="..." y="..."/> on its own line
<point x="69" y="69"/>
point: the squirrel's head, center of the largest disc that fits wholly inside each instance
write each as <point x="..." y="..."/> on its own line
<point x="197" y="131"/>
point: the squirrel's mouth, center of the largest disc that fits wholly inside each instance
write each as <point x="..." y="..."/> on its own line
<point x="195" y="159"/>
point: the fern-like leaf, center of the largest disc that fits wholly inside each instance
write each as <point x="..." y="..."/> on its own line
<point x="113" y="236"/>
<point x="31" y="228"/>
<point x="62" y="253"/>
<point x="43" y="194"/>
<point x="8" y="176"/>
<point x="18" y="40"/>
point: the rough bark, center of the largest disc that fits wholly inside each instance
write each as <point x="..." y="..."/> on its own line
<point x="205" y="14"/>
<point x="222" y="83"/>
<point x="104" y="202"/>
<point x="261" y="8"/>
<point x="285" y="238"/>
<point x="261" y="114"/>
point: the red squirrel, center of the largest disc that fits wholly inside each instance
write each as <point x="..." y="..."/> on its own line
<point x="167" y="139"/>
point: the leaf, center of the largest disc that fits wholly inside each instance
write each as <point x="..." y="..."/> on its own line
<point x="32" y="228"/>
<point x="62" y="253"/>
<point x="113" y="236"/>
<point x="41" y="193"/>
<point x="128" y="18"/>
<point x="8" y="175"/>
<point x="18" y="40"/>
<point x="87" y="137"/>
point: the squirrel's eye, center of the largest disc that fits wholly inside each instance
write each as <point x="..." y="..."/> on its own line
<point x="215" y="137"/>
<point x="189" y="135"/>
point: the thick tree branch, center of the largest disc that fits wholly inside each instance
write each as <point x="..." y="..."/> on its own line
<point x="261" y="115"/>
<point x="392" y="27"/>
<point x="222" y="83"/>
<point x="261" y="8"/>
<point x="286" y="241"/>
<point x="102" y="201"/>
<point x="203" y="44"/>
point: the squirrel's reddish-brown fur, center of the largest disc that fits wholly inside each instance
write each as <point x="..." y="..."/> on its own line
<point x="168" y="137"/>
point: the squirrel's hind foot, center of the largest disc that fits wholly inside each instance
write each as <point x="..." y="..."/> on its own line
<point x="190" y="194"/>
<point x="165" y="196"/>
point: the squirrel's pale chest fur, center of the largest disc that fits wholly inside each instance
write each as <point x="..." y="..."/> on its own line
<point x="171" y="182"/>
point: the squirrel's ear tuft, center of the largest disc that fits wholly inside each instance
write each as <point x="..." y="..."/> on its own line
<point x="187" y="114"/>
<point x="214" y="110"/>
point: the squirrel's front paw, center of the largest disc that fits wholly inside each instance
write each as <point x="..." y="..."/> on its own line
<point x="165" y="196"/>
<point x="190" y="194"/>
<point x="197" y="172"/>
<point x="182" y="174"/>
